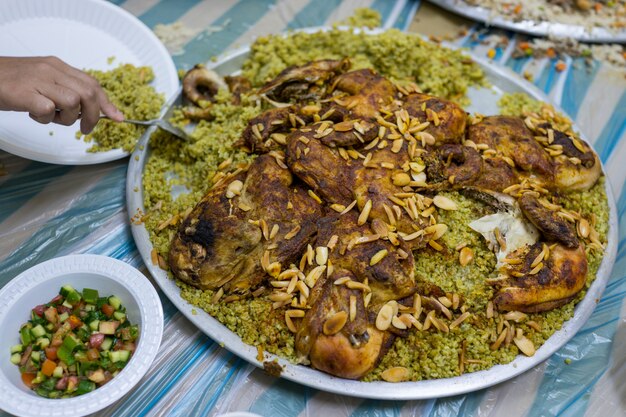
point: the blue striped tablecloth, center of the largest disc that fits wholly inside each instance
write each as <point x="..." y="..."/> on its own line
<point x="50" y="210"/>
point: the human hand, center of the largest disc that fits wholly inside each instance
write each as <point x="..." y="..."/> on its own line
<point x="52" y="91"/>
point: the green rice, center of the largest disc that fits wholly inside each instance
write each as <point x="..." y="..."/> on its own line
<point x="128" y="87"/>
<point x="190" y="167"/>
<point x="394" y="54"/>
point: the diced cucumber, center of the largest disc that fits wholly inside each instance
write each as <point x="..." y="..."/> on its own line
<point x="107" y="327"/>
<point x="70" y="342"/>
<point x="38" y="330"/>
<point x="90" y="307"/>
<point x="119" y="315"/>
<point x="63" y="317"/>
<point x="67" y="304"/>
<point x="94" y="325"/>
<point x="84" y="387"/>
<point x="66" y="289"/>
<point x="16" y="358"/>
<point x="115" y="302"/>
<point x="58" y="372"/>
<point x="90" y="296"/>
<point x="17" y="348"/>
<point x="54" y="394"/>
<point x="35" y="355"/>
<point x="50" y="327"/>
<point x="65" y="355"/>
<point x="39" y="378"/>
<point x="25" y="335"/>
<point x="73" y="298"/>
<point x="43" y="342"/>
<point x="106" y="343"/>
<point x="80" y="356"/>
<point x="119" y="355"/>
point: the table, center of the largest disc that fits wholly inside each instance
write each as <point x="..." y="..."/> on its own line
<point x="51" y="210"/>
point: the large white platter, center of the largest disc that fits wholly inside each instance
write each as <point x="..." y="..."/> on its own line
<point x="532" y="27"/>
<point x="83" y="33"/>
<point x="484" y="101"/>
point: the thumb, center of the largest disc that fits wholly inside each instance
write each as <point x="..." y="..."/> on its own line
<point x="111" y="111"/>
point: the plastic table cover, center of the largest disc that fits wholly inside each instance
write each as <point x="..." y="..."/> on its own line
<point x="52" y="210"/>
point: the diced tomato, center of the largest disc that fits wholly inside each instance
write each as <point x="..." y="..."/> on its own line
<point x="130" y="346"/>
<point x="118" y="344"/>
<point x="51" y="352"/>
<point x="39" y="310"/>
<point x="93" y="354"/>
<point x="72" y="382"/>
<point x="108" y="310"/>
<point x="74" y="322"/>
<point x="51" y="315"/>
<point x="95" y="340"/>
<point x="27" y="378"/>
<point x="62" y="383"/>
<point x="62" y="309"/>
<point x="56" y="300"/>
<point x="48" y="367"/>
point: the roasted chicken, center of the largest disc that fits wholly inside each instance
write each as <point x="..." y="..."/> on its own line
<point x="343" y="194"/>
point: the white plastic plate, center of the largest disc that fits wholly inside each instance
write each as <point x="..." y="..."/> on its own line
<point x="484" y="100"/>
<point x="83" y="33"/>
<point x="40" y="284"/>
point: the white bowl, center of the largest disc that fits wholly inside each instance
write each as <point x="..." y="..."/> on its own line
<point x="41" y="283"/>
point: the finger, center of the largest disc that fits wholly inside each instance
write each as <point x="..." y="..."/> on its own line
<point x="40" y="108"/>
<point x="66" y="100"/>
<point x="109" y="109"/>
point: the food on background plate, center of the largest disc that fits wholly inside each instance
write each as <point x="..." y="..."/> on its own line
<point x="354" y="214"/>
<point x="74" y="344"/>
<point x="129" y="89"/>
<point x="610" y="15"/>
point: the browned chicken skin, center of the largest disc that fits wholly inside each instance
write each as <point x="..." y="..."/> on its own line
<point x="304" y="82"/>
<point x="216" y="246"/>
<point x="512" y="138"/>
<point x="332" y="210"/>
<point x="553" y="227"/>
<point x="449" y="125"/>
<point x="562" y="276"/>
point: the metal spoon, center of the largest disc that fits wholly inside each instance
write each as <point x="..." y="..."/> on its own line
<point x="162" y="124"/>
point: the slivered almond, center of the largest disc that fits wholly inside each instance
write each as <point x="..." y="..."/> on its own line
<point x="384" y="317"/>
<point x="349" y="207"/>
<point x="365" y="213"/>
<point x="444" y="203"/>
<point x="397" y="323"/>
<point x="321" y="255"/>
<point x="314" y="275"/>
<point x="335" y="323"/>
<point x="395" y="374"/>
<point x="378" y="256"/>
<point x="293" y="232"/>
<point x="459" y="320"/>
<point x="466" y="255"/>
<point x="524" y="345"/>
<point x="274" y="231"/>
<point x="352" y="307"/>
<point x="515" y="316"/>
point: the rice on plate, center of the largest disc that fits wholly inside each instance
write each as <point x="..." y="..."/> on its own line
<point x="458" y="331"/>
